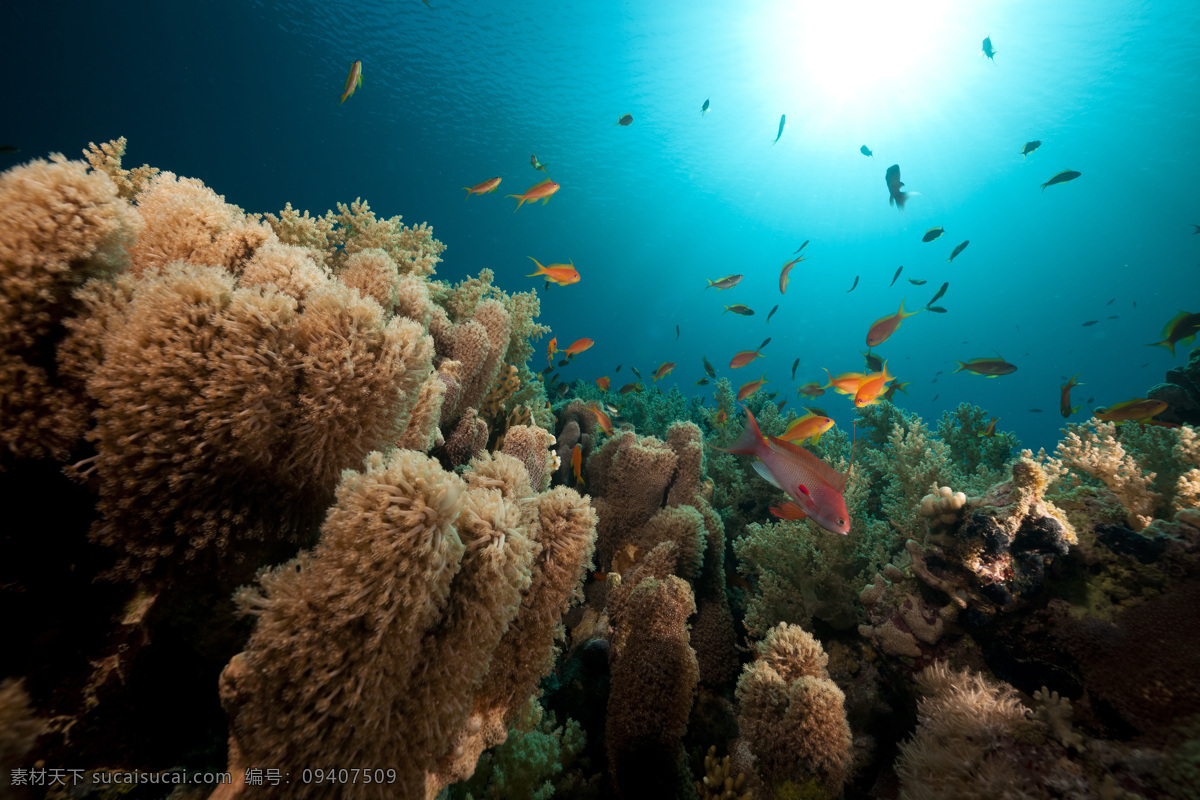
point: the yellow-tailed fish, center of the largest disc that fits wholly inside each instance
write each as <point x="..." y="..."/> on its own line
<point x="539" y="191"/>
<point x="353" y="81"/>
<point x="483" y="188"/>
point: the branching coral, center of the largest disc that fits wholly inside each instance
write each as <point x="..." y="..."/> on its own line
<point x="1094" y="449"/>
<point x="791" y="715"/>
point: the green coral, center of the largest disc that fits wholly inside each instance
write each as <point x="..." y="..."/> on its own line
<point x="538" y="760"/>
<point x="979" y="461"/>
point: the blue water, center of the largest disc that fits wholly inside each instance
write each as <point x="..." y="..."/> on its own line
<point x="244" y="96"/>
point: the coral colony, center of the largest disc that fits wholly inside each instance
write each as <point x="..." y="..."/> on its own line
<point x="309" y="526"/>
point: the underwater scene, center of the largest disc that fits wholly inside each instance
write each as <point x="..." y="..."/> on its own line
<point x="451" y="399"/>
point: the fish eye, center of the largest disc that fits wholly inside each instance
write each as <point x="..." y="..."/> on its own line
<point x="841" y="521"/>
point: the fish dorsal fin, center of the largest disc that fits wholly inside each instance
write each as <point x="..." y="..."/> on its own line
<point x="827" y="473"/>
<point x="762" y="470"/>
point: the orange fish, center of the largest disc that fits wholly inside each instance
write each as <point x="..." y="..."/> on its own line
<point x="1064" y="399"/>
<point x="990" y="430"/>
<point x="562" y="274"/>
<point x="482" y="188"/>
<point x="884" y="327"/>
<point x="810" y="426"/>
<point x="664" y="370"/>
<point x="846" y="383"/>
<point x="746" y="356"/>
<point x="631" y="387"/>
<point x="602" y="419"/>
<point x="783" y="276"/>
<point x="811" y="389"/>
<point x="577" y="462"/>
<point x="721" y="418"/>
<point x="872" y="387"/>
<point x="747" y="389"/>
<point x="577" y="347"/>
<point x="539" y="191"/>
<point x="814" y="488"/>
<point x="603" y="383"/>
<point x="550" y="351"/>
<point x="1135" y="410"/>
<point x="353" y="81"/>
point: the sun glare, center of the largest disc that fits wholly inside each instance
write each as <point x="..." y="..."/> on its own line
<point x="853" y="52"/>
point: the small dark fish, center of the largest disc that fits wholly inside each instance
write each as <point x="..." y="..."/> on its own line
<point x="745" y="311"/>
<point x="630" y="387"/>
<point x="866" y="151"/>
<point x="771" y="312"/>
<point x="795" y="364"/>
<point x="1030" y="147"/>
<point x="704" y="108"/>
<point x="1062" y="177"/>
<point x="897" y="275"/>
<point x="635" y="372"/>
<point x="934" y="380"/>
<point x="933" y="233"/>
<point x="766" y="342"/>
<point x="7" y="149"/>
<point x="939" y="294"/>
<point x="874" y="362"/>
<point x="771" y="396"/>
<point x="708" y="368"/>
<point x="701" y="382"/>
<point x="1135" y="303"/>
<point x="895" y="196"/>
<point x="1114" y="316"/>
<point x="1089" y="323"/>
<point x="618" y="369"/>
<point x="935" y="397"/>
<point x="546" y="371"/>
<point x="935" y="309"/>
<point x="917" y="281"/>
<point x="987" y="48"/>
<point x="1197" y="227"/>
<point x="801" y="247"/>
<point x="782" y="124"/>
<point x="939" y="372"/>
<point x="562" y="390"/>
<point x="851" y="289"/>
<point x="563" y="363"/>
<point x="779" y="406"/>
<point x="959" y="249"/>
<point x="676" y="332"/>
<point x="1091" y="400"/>
<point x="625" y="120"/>
<point x="1035" y="411"/>
<point x="820" y="412"/>
<point x="1109" y="303"/>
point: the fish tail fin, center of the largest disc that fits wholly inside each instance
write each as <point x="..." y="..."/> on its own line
<point x="830" y="376"/>
<point x="1167" y="343"/>
<point x="540" y="270"/>
<point x="900" y="199"/>
<point x="468" y="188"/>
<point x="520" y="200"/>
<point x="961" y="366"/>
<point x="751" y="439"/>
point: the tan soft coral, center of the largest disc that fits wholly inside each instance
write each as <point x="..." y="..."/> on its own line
<point x="209" y="394"/>
<point x="397" y="634"/>
<point x="1093" y="448"/>
<point x="791" y="714"/>
<point x="60" y="225"/>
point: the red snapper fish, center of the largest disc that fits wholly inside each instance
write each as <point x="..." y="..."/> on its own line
<point x="815" y="488"/>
